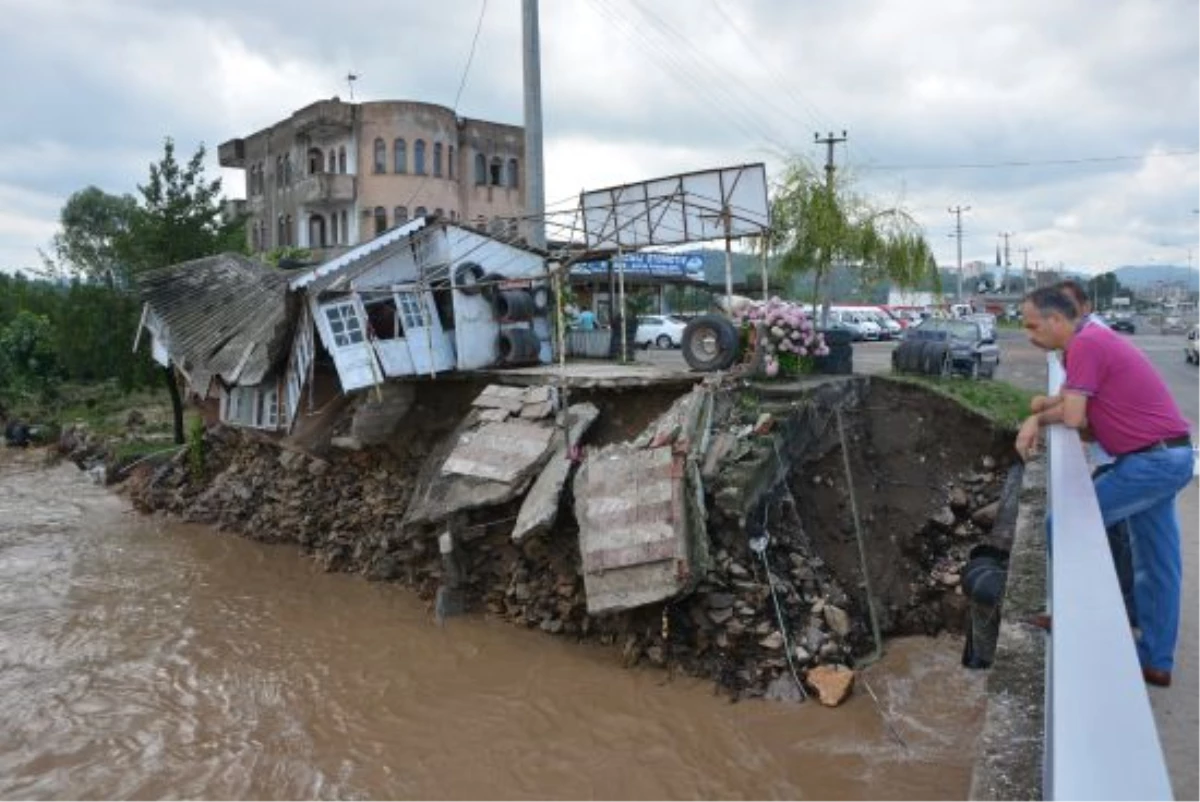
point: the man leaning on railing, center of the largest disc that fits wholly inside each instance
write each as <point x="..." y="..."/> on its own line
<point x="1113" y="390"/>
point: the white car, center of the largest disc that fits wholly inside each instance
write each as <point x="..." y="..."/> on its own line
<point x="662" y="331"/>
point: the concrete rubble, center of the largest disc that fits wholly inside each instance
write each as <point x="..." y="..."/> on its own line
<point x="638" y="537"/>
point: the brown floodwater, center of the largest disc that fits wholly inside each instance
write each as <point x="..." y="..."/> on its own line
<point x="146" y="658"/>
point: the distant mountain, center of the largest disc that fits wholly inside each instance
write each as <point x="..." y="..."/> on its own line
<point x="1145" y="276"/>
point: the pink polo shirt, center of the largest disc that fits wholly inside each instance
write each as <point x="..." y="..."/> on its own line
<point x="1129" y="406"/>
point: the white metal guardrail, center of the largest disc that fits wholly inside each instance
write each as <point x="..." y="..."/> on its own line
<point x="1101" y="740"/>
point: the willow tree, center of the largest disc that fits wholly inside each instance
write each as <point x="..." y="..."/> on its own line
<point x="815" y="225"/>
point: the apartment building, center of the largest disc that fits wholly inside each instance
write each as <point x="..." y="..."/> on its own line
<point x="336" y="174"/>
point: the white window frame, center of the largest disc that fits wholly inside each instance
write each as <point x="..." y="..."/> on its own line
<point x="345" y="325"/>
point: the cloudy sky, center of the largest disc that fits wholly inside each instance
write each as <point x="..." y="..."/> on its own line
<point x="1072" y="123"/>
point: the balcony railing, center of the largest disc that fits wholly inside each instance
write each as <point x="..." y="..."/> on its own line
<point x="325" y="188"/>
<point x="1101" y="739"/>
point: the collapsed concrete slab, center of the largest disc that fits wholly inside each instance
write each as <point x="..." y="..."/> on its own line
<point x="488" y="460"/>
<point x="641" y="514"/>
<point x="540" y="508"/>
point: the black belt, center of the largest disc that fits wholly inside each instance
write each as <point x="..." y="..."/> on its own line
<point x="1170" y="442"/>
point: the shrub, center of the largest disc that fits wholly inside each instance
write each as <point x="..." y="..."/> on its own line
<point x="792" y="341"/>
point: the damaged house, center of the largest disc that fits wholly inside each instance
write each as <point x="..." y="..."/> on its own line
<point x="425" y="298"/>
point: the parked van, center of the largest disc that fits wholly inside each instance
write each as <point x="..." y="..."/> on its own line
<point x="861" y="325"/>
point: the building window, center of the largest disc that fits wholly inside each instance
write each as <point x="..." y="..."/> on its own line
<point x="316" y="161"/>
<point x="344" y="324"/>
<point x="400" y="156"/>
<point x="438" y="213"/>
<point x="342" y="159"/>
<point x="481" y="223"/>
<point x="331" y="165"/>
<point x="381" y="318"/>
<point x="419" y="157"/>
<point x="380" y="220"/>
<point x="400" y="215"/>
<point x="287" y="230"/>
<point x="497" y="172"/>
<point x="513" y="173"/>
<point x="380" y="156"/>
<point x="333" y="229"/>
<point x="419" y="213"/>
<point x="450" y="162"/>
<point x="287" y="169"/>
<point x="280" y="233"/>
<point x="412" y="311"/>
<point x="453" y="215"/>
<point x="345" y="228"/>
<point x="437" y="159"/>
<point x="480" y="169"/>
<point x="278" y="172"/>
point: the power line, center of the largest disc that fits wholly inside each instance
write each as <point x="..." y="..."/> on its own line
<point x="1031" y="162"/>
<point x="693" y="76"/>
<point x="470" y="56"/>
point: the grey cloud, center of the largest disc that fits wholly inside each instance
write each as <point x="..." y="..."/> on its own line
<point x="914" y="84"/>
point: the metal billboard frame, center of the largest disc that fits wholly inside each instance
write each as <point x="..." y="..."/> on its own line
<point x="725" y="202"/>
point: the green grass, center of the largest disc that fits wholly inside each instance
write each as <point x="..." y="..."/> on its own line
<point x="1004" y="403"/>
<point x="102" y="407"/>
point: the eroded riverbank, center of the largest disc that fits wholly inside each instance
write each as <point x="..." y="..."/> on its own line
<point x="146" y="658"/>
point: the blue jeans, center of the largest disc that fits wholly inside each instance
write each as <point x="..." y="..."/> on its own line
<point x="1139" y="490"/>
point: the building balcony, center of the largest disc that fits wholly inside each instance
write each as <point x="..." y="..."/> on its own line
<point x="325" y="188"/>
<point x="232" y="153"/>
<point x="324" y="119"/>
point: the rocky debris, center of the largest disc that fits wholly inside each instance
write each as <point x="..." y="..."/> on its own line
<point x="352" y="511"/>
<point x="986" y="516"/>
<point x="832" y="684"/>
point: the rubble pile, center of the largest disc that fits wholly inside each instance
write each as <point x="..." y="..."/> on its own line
<point x="777" y="596"/>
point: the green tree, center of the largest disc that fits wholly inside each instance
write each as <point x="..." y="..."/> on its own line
<point x="93" y="223"/>
<point x="180" y="216"/>
<point x="814" y="226"/>
<point x="27" y="354"/>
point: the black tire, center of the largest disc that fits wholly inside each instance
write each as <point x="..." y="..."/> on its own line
<point x="931" y="359"/>
<point x="490" y="285"/>
<point x="664" y="341"/>
<point x="467" y="277"/>
<point x="710" y="342"/>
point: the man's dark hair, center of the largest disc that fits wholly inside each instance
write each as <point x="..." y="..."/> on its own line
<point x="1050" y="300"/>
<point x="1075" y="292"/>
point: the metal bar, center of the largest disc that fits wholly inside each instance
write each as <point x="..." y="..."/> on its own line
<point x="1101" y="739"/>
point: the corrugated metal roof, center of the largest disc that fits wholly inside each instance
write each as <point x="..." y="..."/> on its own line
<point x="322" y="277"/>
<point x="224" y="315"/>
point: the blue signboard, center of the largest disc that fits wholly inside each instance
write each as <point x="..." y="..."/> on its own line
<point x="685" y="266"/>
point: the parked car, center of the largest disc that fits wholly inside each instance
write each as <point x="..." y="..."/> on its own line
<point x="662" y="331"/>
<point x="986" y="321"/>
<point x="942" y="346"/>
<point x="1124" y="324"/>
<point x="1189" y="348"/>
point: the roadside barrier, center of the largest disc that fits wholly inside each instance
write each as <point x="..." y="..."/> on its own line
<point x="1101" y="739"/>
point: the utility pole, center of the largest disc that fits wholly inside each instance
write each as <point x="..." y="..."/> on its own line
<point x="1025" y="268"/>
<point x="957" y="211"/>
<point x="1004" y="281"/>
<point x="535" y="176"/>
<point x="829" y="140"/>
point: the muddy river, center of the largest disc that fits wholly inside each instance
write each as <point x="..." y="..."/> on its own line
<point x="146" y="658"/>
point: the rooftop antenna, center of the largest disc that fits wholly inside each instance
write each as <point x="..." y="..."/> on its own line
<point x="350" y="79"/>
